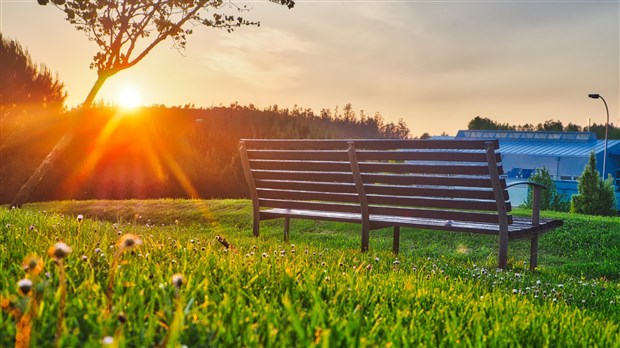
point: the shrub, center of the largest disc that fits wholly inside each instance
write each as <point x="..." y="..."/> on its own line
<point x="550" y="198"/>
<point x="596" y="196"/>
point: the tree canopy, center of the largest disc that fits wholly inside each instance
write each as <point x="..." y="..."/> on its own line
<point x="126" y="31"/>
<point x="26" y="85"/>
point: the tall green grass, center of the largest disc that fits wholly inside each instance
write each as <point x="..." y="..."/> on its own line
<point x="317" y="290"/>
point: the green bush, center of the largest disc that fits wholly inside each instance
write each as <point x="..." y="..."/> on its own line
<point x="550" y="199"/>
<point x="596" y="196"/>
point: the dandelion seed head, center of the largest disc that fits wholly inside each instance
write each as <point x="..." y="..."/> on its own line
<point x="59" y="251"/>
<point x="84" y="258"/>
<point x="24" y="286"/>
<point x="108" y="341"/>
<point x="80" y="217"/>
<point x="376" y="259"/>
<point x="31" y="228"/>
<point x="177" y="280"/>
<point x="32" y="264"/>
<point x="129" y="240"/>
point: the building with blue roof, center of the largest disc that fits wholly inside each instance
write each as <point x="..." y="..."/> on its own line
<point x="564" y="154"/>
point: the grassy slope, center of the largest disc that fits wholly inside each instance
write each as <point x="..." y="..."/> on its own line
<point x="443" y="290"/>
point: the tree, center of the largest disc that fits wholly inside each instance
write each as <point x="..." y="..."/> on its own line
<point x="483" y="123"/>
<point x="26" y="85"/>
<point x="127" y="31"/>
<point x="550" y="199"/>
<point x="596" y="196"/>
<point x="30" y="98"/>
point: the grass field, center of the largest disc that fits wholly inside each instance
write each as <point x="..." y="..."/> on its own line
<point x="151" y="273"/>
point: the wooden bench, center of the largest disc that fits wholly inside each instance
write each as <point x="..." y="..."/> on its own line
<point x="451" y="185"/>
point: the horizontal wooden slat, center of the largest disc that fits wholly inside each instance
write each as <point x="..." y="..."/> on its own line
<point x="308" y="196"/>
<point x="306" y="185"/>
<point x="296" y="144"/>
<point x="438" y="169"/>
<point x="302" y="176"/>
<point x="332" y="207"/>
<point x="420" y="202"/>
<point x="437" y="214"/>
<point x="343" y="166"/>
<point x="394" y="144"/>
<point x="452" y="181"/>
<point x="430" y="192"/>
<point x="310" y="214"/>
<point x="440" y="156"/>
<point x="404" y="168"/>
<point x="306" y="155"/>
<point x="370" y="144"/>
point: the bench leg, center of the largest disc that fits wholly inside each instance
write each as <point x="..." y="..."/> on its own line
<point x="503" y="252"/>
<point x="287" y="224"/>
<point x="365" y="236"/>
<point x="396" y="241"/>
<point x="256" y="226"/>
<point x="534" y="253"/>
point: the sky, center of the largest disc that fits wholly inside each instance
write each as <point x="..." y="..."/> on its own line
<point x="435" y="64"/>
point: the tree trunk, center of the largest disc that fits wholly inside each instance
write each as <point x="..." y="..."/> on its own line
<point x="26" y="190"/>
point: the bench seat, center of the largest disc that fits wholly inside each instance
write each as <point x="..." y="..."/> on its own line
<point x="521" y="227"/>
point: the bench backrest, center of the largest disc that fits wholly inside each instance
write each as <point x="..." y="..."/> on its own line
<point x="435" y="179"/>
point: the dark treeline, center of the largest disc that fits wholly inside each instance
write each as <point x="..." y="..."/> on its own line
<point x="160" y="152"/>
<point x="483" y="123"/>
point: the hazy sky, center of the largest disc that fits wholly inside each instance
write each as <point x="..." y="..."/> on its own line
<point x="435" y="64"/>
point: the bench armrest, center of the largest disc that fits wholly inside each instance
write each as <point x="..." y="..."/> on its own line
<point x="531" y="183"/>
<point x="536" y="197"/>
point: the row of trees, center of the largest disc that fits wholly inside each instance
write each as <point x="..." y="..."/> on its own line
<point x="483" y="123"/>
<point x="166" y="152"/>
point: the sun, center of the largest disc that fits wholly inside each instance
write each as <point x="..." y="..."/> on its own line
<point x="129" y="98"/>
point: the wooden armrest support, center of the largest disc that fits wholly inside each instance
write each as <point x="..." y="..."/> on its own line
<point x="535" y="198"/>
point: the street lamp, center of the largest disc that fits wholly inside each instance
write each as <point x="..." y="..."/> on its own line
<point x="597" y="96"/>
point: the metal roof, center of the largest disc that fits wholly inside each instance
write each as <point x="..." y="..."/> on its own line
<point x="565" y="144"/>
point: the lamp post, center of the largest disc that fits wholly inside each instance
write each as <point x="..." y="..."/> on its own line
<point x="598" y="96"/>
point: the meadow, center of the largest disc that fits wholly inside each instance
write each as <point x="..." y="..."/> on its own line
<point x="143" y="273"/>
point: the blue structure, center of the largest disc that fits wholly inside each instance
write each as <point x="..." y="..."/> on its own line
<point x="564" y="154"/>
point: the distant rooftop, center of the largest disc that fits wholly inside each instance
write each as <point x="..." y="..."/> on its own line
<point x="527" y="135"/>
<point x="542" y="143"/>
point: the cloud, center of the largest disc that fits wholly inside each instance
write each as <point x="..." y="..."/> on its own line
<point x="266" y="59"/>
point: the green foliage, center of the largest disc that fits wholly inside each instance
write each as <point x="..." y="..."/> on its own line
<point x="319" y="291"/>
<point x="26" y="87"/>
<point x="160" y="152"/>
<point x="119" y="27"/>
<point x="596" y="196"/>
<point x="483" y="123"/>
<point x="31" y="101"/>
<point x="550" y="199"/>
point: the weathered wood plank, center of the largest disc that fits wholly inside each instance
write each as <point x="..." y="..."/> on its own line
<point x="452" y="156"/>
<point x="312" y="206"/>
<point x="307" y="186"/>
<point x="307" y="196"/>
<point x="426" y="202"/>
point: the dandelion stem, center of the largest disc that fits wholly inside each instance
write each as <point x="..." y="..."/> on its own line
<point x="62" y="303"/>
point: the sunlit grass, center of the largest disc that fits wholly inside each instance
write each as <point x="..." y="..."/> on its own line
<point x="179" y="285"/>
